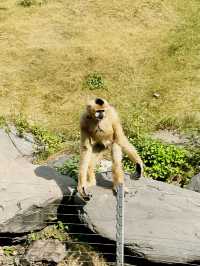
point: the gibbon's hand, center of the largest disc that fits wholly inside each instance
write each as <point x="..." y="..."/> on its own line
<point x="139" y="172"/>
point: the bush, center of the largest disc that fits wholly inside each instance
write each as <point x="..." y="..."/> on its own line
<point x="70" y="167"/>
<point x="94" y="81"/>
<point x="48" y="142"/>
<point x="29" y="3"/>
<point x="163" y="162"/>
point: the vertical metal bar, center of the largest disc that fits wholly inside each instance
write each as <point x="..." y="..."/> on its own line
<point x="120" y="226"/>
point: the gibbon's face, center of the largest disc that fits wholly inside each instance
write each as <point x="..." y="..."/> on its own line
<point x="97" y="109"/>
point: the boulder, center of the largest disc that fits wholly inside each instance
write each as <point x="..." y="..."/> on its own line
<point x="29" y="194"/>
<point x="161" y="220"/>
<point x="194" y="183"/>
<point x="50" y="250"/>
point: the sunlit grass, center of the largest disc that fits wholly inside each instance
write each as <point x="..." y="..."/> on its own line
<point x="138" y="47"/>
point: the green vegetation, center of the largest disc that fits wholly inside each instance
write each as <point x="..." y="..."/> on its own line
<point x="56" y="231"/>
<point x="29" y="3"/>
<point x="132" y="49"/>
<point x="9" y="250"/>
<point x="94" y="81"/>
<point x="163" y="162"/>
<point x="75" y="252"/>
<point x="70" y="167"/>
<point x="2" y="122"/>
<point x="48" y="142"/>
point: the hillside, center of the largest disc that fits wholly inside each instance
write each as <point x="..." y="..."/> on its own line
<point x="136" y="47"/>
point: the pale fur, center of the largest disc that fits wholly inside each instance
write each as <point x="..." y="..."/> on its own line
<point x="105" y="133"/>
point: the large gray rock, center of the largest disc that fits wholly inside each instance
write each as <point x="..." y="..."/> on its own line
<point x="194" y="183"/>
<point x="162" y="221"/>
<point x="29" y="194"/>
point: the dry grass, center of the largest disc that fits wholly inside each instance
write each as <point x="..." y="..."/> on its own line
<point x="139" y="47"/>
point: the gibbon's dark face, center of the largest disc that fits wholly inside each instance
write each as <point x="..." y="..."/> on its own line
<point x="97" y="109"/>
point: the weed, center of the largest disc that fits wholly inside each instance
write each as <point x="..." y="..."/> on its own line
<point x="170" y="123"/>
<point x="3" y="123"/>
<point x="163" y="162"/>
<point x="47" y="142"/>
<point x="94" y="81"/>
<point x="70" y="167"/>
<point x="21" y="125"/>
<point x="29" y="3"/>
<point x="9" y="250"/>
<point x="56" y="231"/>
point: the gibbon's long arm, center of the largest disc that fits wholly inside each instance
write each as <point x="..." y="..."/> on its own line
<point x="129" y="149"/>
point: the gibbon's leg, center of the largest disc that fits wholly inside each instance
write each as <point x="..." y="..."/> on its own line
<point x="85" y="156"/>
<point x="91" y="179"/>
<point x="117" y="170"/>
<point x="96" y="156"/>
<point x="134" y="157"/>
<point x="129" y="149"/>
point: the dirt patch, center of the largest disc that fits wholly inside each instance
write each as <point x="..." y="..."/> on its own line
<point x="171" y="137"/>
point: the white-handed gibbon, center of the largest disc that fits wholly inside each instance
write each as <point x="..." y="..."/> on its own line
<point x="101" y="129"/>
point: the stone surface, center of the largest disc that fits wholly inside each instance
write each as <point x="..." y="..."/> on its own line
<point x="171" y="137"/>
<point x="105" y="165"/>
<point x="29" y="194"/>
<point x="161" y="220"/>
<point x="50" y="250"/>
<point x="194" y="183"/>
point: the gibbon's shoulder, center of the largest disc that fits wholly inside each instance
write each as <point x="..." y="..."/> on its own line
<point x="113" y="113"/>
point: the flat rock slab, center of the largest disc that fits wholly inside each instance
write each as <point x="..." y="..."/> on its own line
<point x="162" y="221"/>
<point x="29" y="194"/>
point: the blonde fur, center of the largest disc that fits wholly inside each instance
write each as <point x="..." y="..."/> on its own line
<point x="98" y="135"/>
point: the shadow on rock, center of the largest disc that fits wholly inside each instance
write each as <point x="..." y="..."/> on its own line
<point x="65" y="183"/>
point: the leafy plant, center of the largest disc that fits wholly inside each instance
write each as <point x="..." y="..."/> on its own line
<point x="2" y="122"/>
<point x="94" y="81"/>
<point x="9" y="251"/>
<point x="27" y="3"/>
<point x="169" y="123"/>
<point x="56" y="231"/>
<point x="70" y="167"/>
<point x="48" y="142"/>
<point x="21" y="125"/>
<point x="162" y="161"/>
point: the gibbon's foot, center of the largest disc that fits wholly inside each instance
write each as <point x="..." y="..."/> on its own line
<point x="83" y="193"/>
<point x="138" y="173"/>
<point x="114" y="189"/>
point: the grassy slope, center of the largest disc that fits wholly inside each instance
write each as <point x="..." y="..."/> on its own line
<point x="139" y="47"/>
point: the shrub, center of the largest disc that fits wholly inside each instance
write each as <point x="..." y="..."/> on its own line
<point x="27" y="3"/>
<point x="21" y="125"/>
<point x="163" y="162"/>
<point x="70" y="167"/>
<point x="94" y="81"/>
<point x="48" y="142"/>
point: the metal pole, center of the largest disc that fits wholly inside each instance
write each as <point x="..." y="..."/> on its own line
<point x="120" y="226"/>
